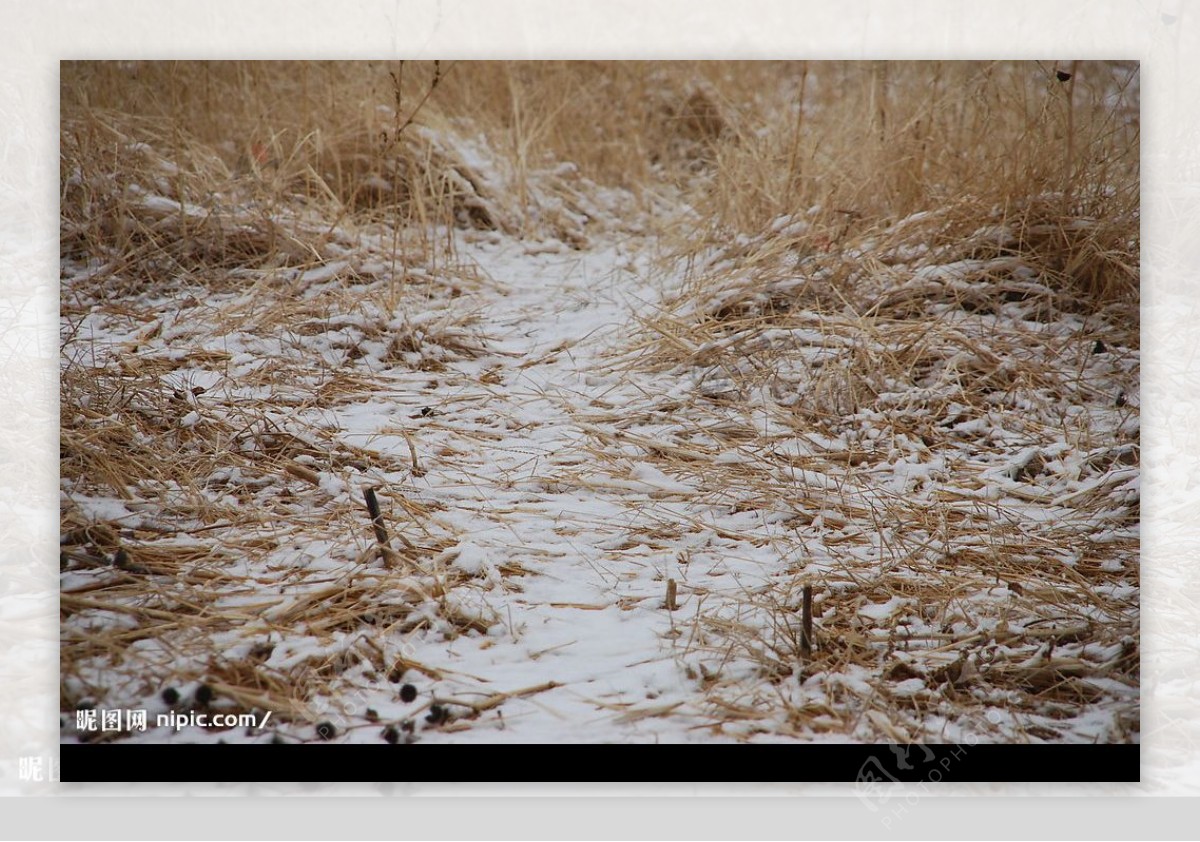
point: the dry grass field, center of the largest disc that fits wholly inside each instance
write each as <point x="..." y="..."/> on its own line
<point x="631" y="354"/>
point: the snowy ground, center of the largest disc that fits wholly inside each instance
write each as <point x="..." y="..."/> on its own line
<point x="542" y="481"/>
<point x="561" y="599"/>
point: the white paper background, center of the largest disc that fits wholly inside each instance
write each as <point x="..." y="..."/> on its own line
<point x="1164" y="34"/>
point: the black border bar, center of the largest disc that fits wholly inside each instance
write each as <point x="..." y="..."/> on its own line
<point x="866" y="765"/>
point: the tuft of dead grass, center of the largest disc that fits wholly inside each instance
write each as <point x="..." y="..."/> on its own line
<point x="214" y="306"/>
<point x="933" y="384"/>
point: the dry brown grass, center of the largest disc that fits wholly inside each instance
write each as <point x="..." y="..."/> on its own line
<point x="810" y="210"/>
<point x="186" y="230"/>
<point x="958" y="304"/>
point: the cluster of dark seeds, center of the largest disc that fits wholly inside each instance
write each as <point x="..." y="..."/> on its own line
<point x="437" y="715"/>
<point x="405" y="733"/>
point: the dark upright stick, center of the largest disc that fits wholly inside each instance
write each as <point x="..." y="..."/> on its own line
<point x="381" y="535"/>
<point x="806" y="632"/>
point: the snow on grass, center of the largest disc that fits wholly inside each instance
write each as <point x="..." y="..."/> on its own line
<point x="556" y="424"/>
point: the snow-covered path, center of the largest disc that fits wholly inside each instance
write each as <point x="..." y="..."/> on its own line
<point x="505" y="445"/>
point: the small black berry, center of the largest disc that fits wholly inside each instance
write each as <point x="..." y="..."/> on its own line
<point x="1121" y="399"/>
<point x="1099" y="348"/>
<point x="170" y="696"/>
<point x="391" y="734"/>
<point x="204" y="694"/>
<point x="408" y="693"/>
<point x="437" y="715"/>
<point x="396" y="674"/>
<point x="1062" y="75"/>
<point x="326" y="731"/>
<point x="372" y="715"/>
